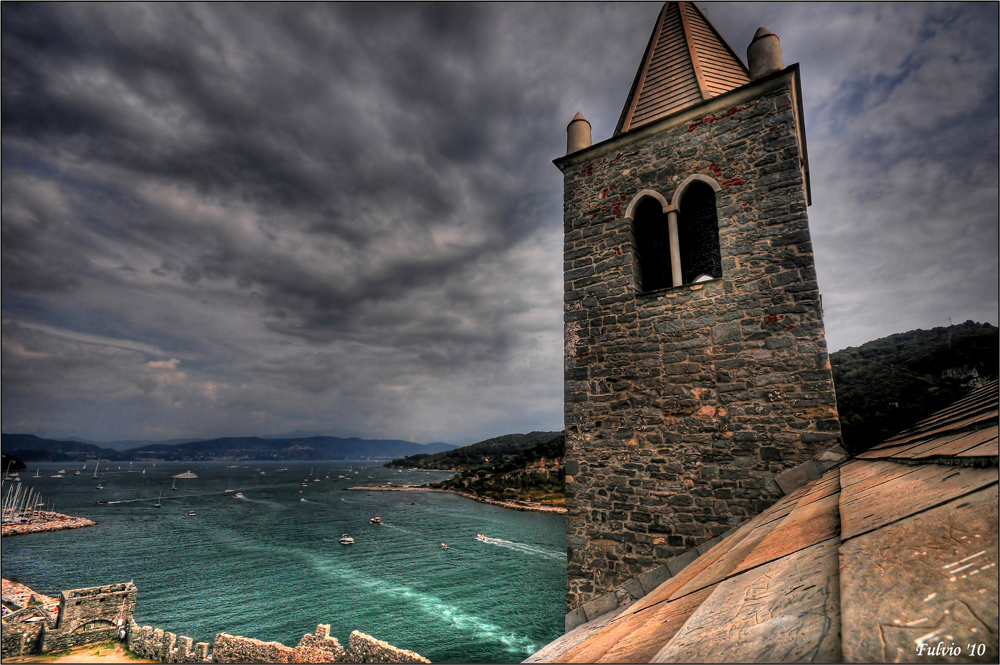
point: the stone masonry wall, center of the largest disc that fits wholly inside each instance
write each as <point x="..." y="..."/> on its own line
<point x="684" y="403"/>
<point x="90" y="615"/>
<point x="165" y="647"/>
<point x="19" y="637"/>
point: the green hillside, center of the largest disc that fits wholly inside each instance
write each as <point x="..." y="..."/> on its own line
<point x="485" y="452"/>
<point x="535" y="474"/>
<point x="887" y="385"/>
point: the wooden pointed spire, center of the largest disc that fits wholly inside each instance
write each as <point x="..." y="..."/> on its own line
<point x="686" y="62"/>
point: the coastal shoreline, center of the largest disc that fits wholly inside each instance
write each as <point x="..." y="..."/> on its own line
<point x="50" y="522"/>
<point x="527" y="506"/>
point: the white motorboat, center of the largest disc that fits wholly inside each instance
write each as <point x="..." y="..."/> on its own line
<point x="187" y="474"/>
<point x="239" y="495"/>
<point x="346" y="540"/>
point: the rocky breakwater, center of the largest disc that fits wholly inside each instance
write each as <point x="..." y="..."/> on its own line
<point x="46" y="521"/>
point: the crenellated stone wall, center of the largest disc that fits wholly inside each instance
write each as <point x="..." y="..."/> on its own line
<point x="100" y="614"/>
<point x="163" y="646"/>
<point x="319" y="647"/>
<point x="683" y="404"/>
<point x="366" y="649"/>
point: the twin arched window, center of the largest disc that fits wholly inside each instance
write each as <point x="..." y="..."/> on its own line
<point x="677" y="243"/>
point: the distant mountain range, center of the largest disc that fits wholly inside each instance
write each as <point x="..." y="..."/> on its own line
<point x="28" y="447"/>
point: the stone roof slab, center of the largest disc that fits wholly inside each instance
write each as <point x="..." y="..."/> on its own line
<point x="638" y="637"/>
<point x="807" y="525"/>
<point x="988" y="449"/>
<point x="928" y="579"/>
<point x="784" y="611"/>
<point x="864" y="509"/>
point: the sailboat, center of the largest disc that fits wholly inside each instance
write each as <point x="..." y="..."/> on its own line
<point x="158" y="504"/>
<point x="38" y="473"/>
<point x="174" y="486"/>
<point x="96" y="467"/>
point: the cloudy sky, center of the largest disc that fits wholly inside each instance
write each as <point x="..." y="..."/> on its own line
<point x="254" y="219"/>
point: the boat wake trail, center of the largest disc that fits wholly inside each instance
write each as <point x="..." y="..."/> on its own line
<point x="393" y="527"/>
<point x="524" y="548"/>
<point x="433" y="606"/>
<point x="164" y="498"/>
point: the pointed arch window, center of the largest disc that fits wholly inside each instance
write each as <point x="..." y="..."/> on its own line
<point x="677" y="243"/>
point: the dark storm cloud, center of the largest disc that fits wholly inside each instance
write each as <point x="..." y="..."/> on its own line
<point x="253" y="218"/>
<point x="323" y="121"/>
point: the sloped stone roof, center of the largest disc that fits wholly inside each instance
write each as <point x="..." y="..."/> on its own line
<point x="884" y="558"/>
<point x="686" y="62"/>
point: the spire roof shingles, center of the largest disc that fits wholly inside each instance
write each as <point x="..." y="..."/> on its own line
<point x="686" y="62"/>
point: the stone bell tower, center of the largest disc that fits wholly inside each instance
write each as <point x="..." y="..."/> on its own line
<point x="696" y="367"/>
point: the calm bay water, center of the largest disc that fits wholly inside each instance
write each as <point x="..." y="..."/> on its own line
<point x="270" y="566"/>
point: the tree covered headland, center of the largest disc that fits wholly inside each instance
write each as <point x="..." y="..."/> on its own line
<point x="484" y="452"/>
<point x="889" y="384"/>
<point x="535" y="474"/>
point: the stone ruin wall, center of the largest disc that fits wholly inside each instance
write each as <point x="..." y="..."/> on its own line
<point x="18" y="638"/>
<point x="166" y="647"/>
<point x="86" y="616"/>
<point x="112" y="604"/>
<point x="683" y="404"/>
<point x="116" y="602"/>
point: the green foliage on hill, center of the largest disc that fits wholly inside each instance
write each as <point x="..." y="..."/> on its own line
<point x="485" y="452"/>
<point x="889" y="384"/>
<point x="535" y="474"/>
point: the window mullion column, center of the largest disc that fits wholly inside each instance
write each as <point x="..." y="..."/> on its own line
<point x="675" y="248"/>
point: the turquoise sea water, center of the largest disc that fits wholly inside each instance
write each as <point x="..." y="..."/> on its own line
<point x="270" y="566"/>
